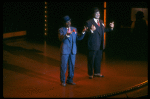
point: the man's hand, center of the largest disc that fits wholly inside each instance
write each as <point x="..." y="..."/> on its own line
<point x="93" y="28"/>
<point x="112" y="25"/>
<point x="85" y="29"/>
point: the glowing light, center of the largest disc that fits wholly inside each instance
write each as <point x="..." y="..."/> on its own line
<point x="45" y="19"/>
<point x="104" y="4"/>
<point x="104" y="24"/>
<point x="105" y="17"/>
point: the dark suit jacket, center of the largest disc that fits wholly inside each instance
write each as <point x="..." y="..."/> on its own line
<point x="96" y="39"/>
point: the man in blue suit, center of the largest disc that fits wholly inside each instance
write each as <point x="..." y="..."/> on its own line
<point x="68" y="36"/>
<point x="96" y="43"/>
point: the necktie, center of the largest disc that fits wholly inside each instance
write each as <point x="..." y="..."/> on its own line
<point x="98" y="23"/>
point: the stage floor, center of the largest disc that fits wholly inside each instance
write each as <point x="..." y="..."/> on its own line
<point x="32" y="69"/>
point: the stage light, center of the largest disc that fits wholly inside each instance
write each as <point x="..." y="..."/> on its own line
<point x="45" y="19"/>
<point x="104" y="24"/>
<point x="104" y="4"/>
<point x="105" y="13"/>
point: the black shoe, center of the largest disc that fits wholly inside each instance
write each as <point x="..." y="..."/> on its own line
<point x="63" y="84"/>
<point x="90" y="77"/>
<point x="98" y="75"/>
<point x="71" y="83"/>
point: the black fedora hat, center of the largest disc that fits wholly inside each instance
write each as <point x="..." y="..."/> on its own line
<point x="66" y="18"/>
<point x="95" y="9"/>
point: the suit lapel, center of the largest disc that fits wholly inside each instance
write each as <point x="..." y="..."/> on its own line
<point x="101" y="22"/>
<point x="95" y="24"/>
<point x="71" y="34"/>
<point x="65" y="30"/>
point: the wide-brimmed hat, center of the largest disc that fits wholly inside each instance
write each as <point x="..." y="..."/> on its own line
<point x="66" y="18"/>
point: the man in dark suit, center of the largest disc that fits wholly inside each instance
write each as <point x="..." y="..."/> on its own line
<point x="68" y="36"/>
<point x="96" y="43"/>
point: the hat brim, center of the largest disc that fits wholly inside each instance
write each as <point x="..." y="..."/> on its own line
<point x="68" y="20"/>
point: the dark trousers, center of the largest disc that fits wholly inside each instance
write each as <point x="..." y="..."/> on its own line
<point x="94" y="61"/>
<point x="67" y="60"/>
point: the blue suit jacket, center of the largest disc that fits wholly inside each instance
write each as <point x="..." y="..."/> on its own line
<point x="96" y="39"/>
<point x="68" y="44"/>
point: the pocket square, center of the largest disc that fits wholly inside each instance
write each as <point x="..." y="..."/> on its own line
<point x="74" y="31"/>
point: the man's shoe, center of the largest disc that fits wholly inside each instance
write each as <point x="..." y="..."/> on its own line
<point x="71" y="83"/>
<point x="90" y="77"/>
<point x="63" y="84"/>
<point x="98" y="75"/>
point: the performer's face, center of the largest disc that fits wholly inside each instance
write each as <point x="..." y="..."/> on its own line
<point x="97" y="15"/>
<point x="68" y="23"/>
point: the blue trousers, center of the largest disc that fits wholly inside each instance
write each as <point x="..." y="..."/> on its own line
<point x="70" y="60"/>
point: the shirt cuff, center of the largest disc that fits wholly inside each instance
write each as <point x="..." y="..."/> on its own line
<point x="67" y="35"/>
<point x="83" y="32"/>
<point x="112" y="28"/>
<point x="91" y="31"/>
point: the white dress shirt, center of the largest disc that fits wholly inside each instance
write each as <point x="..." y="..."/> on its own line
<point x="95" y="20"/>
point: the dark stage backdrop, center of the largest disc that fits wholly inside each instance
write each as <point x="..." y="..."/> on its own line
<point x="29" y="16"/>
<point x="79" y="13"/>
<point x="24" y="16"/>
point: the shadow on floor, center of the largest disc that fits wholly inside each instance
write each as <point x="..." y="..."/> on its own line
<point x="28" y="72"/>
<point x="31" y="54"/>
